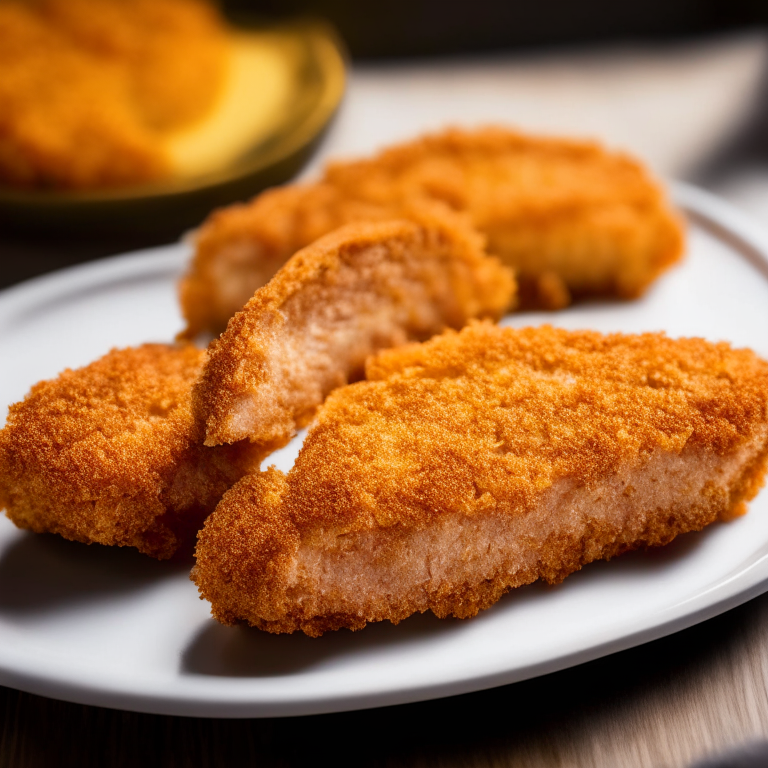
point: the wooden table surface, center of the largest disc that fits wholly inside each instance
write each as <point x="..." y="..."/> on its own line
<point x="663" y="704"/>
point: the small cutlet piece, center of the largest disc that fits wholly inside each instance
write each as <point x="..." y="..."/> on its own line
<point x="571" y="218"/>
<point x="363" y="288"/>
<point x="482" y="461"/>
<point x="110" y="453"/>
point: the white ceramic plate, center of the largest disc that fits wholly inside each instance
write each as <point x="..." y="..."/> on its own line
<point x="114" y="628"/>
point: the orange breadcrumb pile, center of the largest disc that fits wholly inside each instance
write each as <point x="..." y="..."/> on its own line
<point x="481" y="461"/>
<point x="355" y="291"/>
<point x="110" y="453"/>
<point x="571" y="218"/>
<point x="89" y="88"/>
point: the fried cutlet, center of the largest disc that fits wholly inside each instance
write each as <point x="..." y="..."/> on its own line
<point x="482" y="461"/>
<point x="571" y="218"/>
<point x="110" y="453"/>
<point x="364" y="287"/>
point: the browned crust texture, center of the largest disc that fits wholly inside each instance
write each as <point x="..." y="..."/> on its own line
<point x="110" y="453"/>
<point x="362" y="288"/>
<point x="489" y="424"/>
<point x="571" y="218"/>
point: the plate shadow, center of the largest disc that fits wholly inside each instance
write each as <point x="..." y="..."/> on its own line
<point x="653" y="559"/>
<point x="43" y="572"/>
<point x="248" y="652"/>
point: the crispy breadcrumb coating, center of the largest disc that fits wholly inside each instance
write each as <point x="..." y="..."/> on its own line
<point x="360" y="289"/>
<point x="481" y="461"/>
<point x="571" y="218"/>
<point x="110" y="453"/>
<point x="89" y="88"/>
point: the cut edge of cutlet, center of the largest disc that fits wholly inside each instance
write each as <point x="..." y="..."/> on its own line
<point x="281" y="608"/>
<point x="369" y="285"/>
<point x="345" y="539"/>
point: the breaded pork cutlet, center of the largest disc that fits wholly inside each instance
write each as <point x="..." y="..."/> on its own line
<point x="354" y="292"/>
<point x="571" y="218"/>
<point x="485" y="460"/>
<point x="110" y="453"/>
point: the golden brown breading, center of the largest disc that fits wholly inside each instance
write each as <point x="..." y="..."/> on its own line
<point x="360" y="289"/>
<point x="481" y="461"/>
<point x="110" y="453"/>
<point x="90" y="88"/>
<point x="571" y="218"/>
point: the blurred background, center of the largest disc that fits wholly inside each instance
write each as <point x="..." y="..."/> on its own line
<point x="434" y="27"/>
<point x="680" y="83"/>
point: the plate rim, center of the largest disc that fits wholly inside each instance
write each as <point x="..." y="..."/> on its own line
<point x="719" y="217"/>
